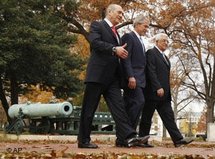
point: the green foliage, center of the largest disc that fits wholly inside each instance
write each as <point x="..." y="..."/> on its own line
<point x="34" y="46"/>
<point x="102" y="107"/>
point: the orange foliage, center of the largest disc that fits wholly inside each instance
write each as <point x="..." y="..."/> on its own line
<point x="201" y="127"/>
<point x="82" y="47"/>
<point x="35" y="94"/>
<point x="92" y="9"/>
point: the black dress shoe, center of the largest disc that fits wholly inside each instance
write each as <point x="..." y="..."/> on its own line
<point x="183" y="141"/>
<point x="143" y="140"/>
<point x="87" y="145"/>
<point x="135" y="141"/>
<point x="130" y="142"/>
<point x="145" y="145"/>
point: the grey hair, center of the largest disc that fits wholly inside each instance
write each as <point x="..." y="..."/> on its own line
<point x="160" y="36"/>
<point x="140" y="19"/>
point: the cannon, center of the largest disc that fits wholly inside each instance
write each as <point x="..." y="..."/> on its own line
<point x="41" y="118"/>
<point x="54" y="118"/>
<point x="42" y="110"/>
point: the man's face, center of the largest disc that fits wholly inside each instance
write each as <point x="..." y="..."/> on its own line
<point x="116" y="15"/>
<point x="143" y="27"/>
<point x="162" y="43"/>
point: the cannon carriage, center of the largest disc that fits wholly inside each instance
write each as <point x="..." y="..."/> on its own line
<point x="54" y="118"/>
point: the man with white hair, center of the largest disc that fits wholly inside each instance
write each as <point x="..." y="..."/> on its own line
<point x="157" y="92"/>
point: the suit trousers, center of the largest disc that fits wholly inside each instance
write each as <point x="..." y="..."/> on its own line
<point x="134" y="102"/>
<point x="166" y="113"/>
<point x="113" y="97"/>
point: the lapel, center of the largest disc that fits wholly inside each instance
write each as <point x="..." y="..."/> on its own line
<point x="111" y="32"/>
<point x="137" y="41"/>
<point x="162" y="58"/>
<point x="136" y="38"/>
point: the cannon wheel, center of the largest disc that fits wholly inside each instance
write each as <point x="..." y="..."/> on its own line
<point x="18" y="127"/>
<point x="44" y="126"/>
<point x="32" y="127"/>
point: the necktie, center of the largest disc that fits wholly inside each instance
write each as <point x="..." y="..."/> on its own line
<point x="115" y="33"/>
<point x="114" y="30"/>
<point x="143" y="46"/>
<point x="165" y="59"/>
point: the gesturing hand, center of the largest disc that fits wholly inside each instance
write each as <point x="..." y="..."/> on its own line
<point x="121" y="51"/>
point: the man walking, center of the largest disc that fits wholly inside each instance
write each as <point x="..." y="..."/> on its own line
<point x="157" y="92"/>
<point x="134" y="69"/>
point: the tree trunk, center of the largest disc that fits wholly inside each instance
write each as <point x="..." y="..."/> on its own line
<point x="14" y="90"/>
<point x="4" y="100"/>
<point x="210" y="111"/>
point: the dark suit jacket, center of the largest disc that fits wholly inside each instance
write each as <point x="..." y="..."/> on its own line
<point x="157" y="75"/>
<point x="134" y="65"/>
<point x="103" y="65"/>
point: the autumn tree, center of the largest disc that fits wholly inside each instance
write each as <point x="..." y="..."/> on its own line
<point x="181" y="95"/>
<point x="201" y="126"/>
<point x="194" y="34"/>
<point x="190" y="25"/>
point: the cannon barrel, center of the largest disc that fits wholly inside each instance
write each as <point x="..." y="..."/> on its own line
<point x="41" y="110"/>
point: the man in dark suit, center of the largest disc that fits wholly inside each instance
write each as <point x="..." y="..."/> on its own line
<point x="157" y="93"/>
<point x="134" y="70"/>
<point x="103" y="77"/>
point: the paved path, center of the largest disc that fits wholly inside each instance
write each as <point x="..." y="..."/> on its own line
<point x="65" y="146"/>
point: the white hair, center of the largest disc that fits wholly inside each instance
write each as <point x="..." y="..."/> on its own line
<point x="157" y="37"/>
<point x="160" y="36"/>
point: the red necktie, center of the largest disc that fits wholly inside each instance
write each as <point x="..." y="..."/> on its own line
<point x="114" y="30"/>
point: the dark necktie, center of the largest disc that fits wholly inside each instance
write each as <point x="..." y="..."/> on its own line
<point x="165" y="59"/>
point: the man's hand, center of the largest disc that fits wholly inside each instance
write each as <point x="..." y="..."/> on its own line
<point x="121" y="51"/>
<point x="160" y="92"/>
<point x="132" y="83"/>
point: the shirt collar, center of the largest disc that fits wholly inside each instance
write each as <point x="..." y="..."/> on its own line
<point x="108" y="22"/>
<point x="159" y="49"/>
<point x="138" y="35"/>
